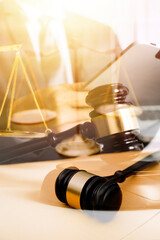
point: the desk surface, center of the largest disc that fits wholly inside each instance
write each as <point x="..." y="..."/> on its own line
<point x="24" y="215"/>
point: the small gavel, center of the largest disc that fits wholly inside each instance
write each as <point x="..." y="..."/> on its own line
<point x="83" y="190"/>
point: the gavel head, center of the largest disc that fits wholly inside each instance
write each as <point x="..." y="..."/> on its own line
<point x="114" y="119"/>
<point x="83" y="190"/>
<point x="112" y="113"/>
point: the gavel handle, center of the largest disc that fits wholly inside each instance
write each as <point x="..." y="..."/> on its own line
<point x="148" y="161"/>
<point x="86" y="129"/>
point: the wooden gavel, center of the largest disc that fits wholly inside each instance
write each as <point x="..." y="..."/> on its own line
<point x="84" y="190"/>
<point x="113" y="125"/>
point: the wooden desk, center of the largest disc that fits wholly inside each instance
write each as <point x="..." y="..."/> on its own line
<point x="25" y="215"/>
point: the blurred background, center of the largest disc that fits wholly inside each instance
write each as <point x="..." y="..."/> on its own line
<point x="85" y="36"/>
<point x="131" y="20"/>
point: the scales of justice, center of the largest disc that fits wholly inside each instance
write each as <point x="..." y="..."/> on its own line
<point x="23" y="117"/>
<point x="113" y="125"/>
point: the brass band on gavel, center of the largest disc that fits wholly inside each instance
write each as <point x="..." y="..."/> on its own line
<point x="74" y="188"/>
<point x="111" y="114"/>
<point x="120" y="120"/>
